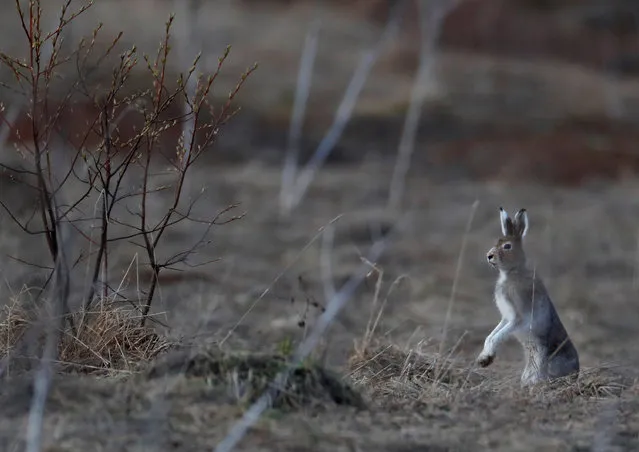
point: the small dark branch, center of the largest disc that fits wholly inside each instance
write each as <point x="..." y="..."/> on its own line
<point x="22" y="15"/>
<point x="18" y="171"/>
<point x="190" y="265"/>
<point x="34" y="214"/>
<point x="30" y="264"/>
<point x="136" y="194"/>
<point x="224" y="114"/>
<point x="81" y="197"/>
<point x="216" y="220"/>
<point x="137" y="245"/>
<point x="182" y="257"/>
<point x="100" y="261"/>
<point x="77" y="157"/>
<point x="22" y="181"/>
<point x="184" y="216"/>
<point x="134" y="235"/>
<point x="155" y="271"/>
<point x="123" y="299"/>
<point x="80" y="231"/>
<point x="158" y="69"/>
<point x="23" y="227"/>
<point x="79" y="259"/>
<point x="149" y="246"/>
<point x="64" y="21"/>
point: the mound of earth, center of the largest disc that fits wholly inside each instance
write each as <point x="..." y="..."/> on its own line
<point x="247" y="376"/>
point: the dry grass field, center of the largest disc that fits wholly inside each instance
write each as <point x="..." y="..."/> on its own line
<point x="395" y="371"/>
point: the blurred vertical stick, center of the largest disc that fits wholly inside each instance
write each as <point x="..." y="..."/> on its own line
<point x="58" y="303"/>
<point x="326" y="266"/>
<point x="59" y="300"/>
<point x="302" y="90"/>
<point x="432" y="15"/>
<point x="458" y="270"/>
<point x="345" y="109"/>
<point x="333" y="308"/>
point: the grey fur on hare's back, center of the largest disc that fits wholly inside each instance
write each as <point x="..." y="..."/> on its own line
<point x="527" y="312"/>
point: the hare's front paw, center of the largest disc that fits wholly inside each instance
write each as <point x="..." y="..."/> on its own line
<point x="485" y="360"/>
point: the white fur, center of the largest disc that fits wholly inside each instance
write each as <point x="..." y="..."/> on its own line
<point x="507" y="325"/>
<point x="503" y="215"/>
<point x="506" y="309"/>
<point x="524" y="219"/>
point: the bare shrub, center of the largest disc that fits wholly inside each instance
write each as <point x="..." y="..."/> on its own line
<point x="117" y="180"/>
<point x="112" y="173"/>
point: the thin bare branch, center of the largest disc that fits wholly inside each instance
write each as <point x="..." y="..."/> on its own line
<point x="44" y="375"/>
<point x="302" y="91"/>
<point x="432" y="15"/>
<point x="345" y="109"/>
<point x="333" y="308"/>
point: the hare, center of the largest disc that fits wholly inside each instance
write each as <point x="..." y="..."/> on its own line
<point x="527" y="313"/>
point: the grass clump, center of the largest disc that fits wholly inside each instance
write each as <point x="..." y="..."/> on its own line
<point x="592" y="383"/>
<point x="248" y="375"/>
<point x="109" y="339"/>
<point x="388" y="371"/>
<point x="391" y="374"/>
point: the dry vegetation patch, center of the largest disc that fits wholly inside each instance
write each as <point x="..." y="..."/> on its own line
<point x="592" y="383"/>
<point x="109" y="338"/>
<point x="248" y="375"/>
<point x="390" y="374"/>
<point x="387" y="370"/>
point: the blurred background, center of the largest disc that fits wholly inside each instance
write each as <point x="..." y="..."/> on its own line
<point x="540" y="90"/>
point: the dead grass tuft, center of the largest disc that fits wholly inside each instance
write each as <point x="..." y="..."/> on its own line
<point x="246" y="376"/>
<point x="14" y="321"/>
<point x="388" y="371"/>
<point x="592" y="383"/>
<point x="390" y="374"/>
<point x="109" y="339"/>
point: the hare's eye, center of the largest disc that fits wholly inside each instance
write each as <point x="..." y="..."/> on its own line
<point x="507" y="246"/>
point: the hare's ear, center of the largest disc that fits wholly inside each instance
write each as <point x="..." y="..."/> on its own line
<point x="506" y="223"/>
<point x="521" y="223"/>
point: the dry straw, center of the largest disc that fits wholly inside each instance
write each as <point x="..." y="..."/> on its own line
<point x="110" y="339"/>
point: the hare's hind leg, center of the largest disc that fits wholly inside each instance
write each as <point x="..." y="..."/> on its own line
<point x="536" y="368"/>
<point x="503" y="329"/>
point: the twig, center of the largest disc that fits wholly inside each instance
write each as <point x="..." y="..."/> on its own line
<point x="335" y="305"/>
<point x="277" y="278"/>
<point x="431" y="22"/>
<point x="302" y="91"/>
<point x="345" y="109"/>
<point x="458" y="267"/>
<point x="190" y="90"/>
<point x="43" y="377"/>
<point x="326" y="266"/>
